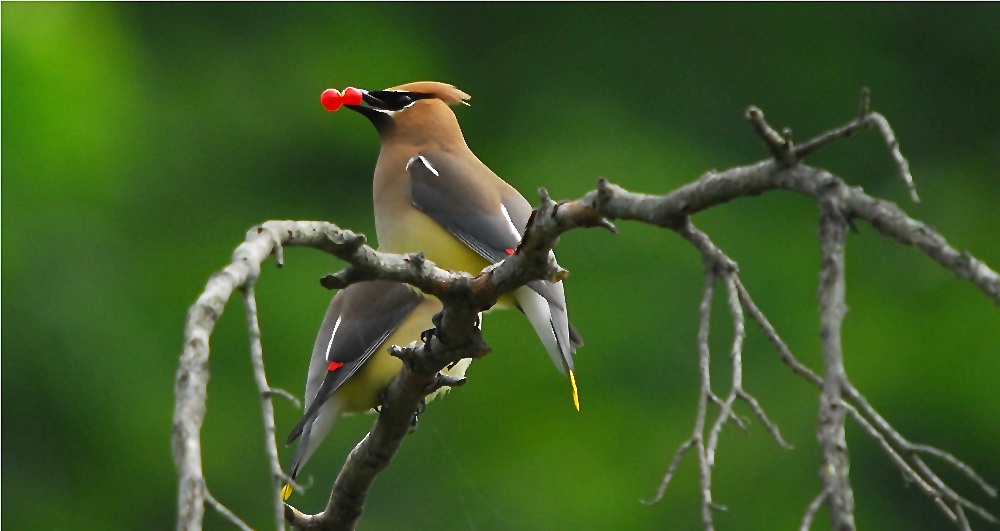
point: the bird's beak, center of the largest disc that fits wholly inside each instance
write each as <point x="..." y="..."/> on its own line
<point x="375" y="107"/>
<point x="372" y="100"/>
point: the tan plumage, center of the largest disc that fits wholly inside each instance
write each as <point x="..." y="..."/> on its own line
<point x="433" y="195"/>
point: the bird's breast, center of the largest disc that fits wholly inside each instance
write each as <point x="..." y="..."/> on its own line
<point x="405" y="230"/>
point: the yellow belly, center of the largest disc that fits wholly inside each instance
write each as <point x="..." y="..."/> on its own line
<point x="361" y="392"/>
<point x="413" y="232"/>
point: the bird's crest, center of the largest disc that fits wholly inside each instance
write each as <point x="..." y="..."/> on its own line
<point x="442" y="91"/>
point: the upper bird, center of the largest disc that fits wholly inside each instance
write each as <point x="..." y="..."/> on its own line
<point x="433" y="195"/>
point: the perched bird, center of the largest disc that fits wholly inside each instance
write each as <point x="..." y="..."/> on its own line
<point x="433" y="195"/>
<point x="350" y="363"/>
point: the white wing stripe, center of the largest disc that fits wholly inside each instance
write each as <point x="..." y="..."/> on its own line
<point x="332" y="335"/>
<point x="510" y="223"/>
<point x="426" y="164"/>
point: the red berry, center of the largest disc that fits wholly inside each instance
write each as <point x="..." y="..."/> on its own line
<point x="352" y="96"/>
<point x="331" y="99"/>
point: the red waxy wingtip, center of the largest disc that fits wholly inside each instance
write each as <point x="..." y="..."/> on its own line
<point x="352" y="96"/>
<point x="334" y="365"/>
<point x="509" y="251"/>
<point x="331" y="99"/>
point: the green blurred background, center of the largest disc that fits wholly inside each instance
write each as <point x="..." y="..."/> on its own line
<point x="140" y="142"/>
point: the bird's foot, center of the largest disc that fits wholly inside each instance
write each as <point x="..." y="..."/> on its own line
<point x="421" y="407"/>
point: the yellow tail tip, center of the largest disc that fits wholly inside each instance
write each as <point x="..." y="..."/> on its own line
<point x="576" y="394"/>
<point x="286" y="491"/>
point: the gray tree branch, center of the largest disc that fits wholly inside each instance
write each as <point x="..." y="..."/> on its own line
<point x="464" y="296"/>
<point x="832" y="436"/>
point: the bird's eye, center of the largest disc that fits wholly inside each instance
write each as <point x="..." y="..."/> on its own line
<point x="404" y="100"/>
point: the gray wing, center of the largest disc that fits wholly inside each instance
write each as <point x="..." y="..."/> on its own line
<point x="489" y="218"/>
<point x="488" y="215"/>
<point x="455" y="196"/>
<point x="358" y="320"/>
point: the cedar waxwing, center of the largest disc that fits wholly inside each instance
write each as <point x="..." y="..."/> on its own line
<point x="351" y="365"/>
<point x="433" y="195"/>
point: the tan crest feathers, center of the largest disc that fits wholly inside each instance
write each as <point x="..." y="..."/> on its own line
<point x="442" y="91"/>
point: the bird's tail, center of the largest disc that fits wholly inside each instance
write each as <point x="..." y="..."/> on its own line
<point x="312" y="434"/>
<point x="551" y="323"/>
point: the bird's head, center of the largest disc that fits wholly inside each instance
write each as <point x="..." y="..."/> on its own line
<point x="417" y="112"/>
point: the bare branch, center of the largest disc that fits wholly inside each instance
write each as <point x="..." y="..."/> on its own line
<point x="908" y="472"/>
<point x="888" y="442"/>
<point x="772" y="428"/>
<point x="277" y="391"/>
<point x="716" y="266"/>
<point x="736" y="359"/>
<point x="225" y="512"/>
<point x="665" y="482"/>
<point x="990" y="490"/>
<point x="464" y="296"/>
<point x="779" y="145"/>
<point x="772" y="336"/>
<point x="906" y="456"/>
<point x="832" y="438"/>
<point x="958" y="501"/>
<point x="278" y="478"/>
<point x="814" y="507"/>
<point x="704" y="357"/>
<point x="880" y="123"/>
<point x="865" y="120"/>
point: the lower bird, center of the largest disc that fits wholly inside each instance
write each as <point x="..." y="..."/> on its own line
<point x="351" y="365"/>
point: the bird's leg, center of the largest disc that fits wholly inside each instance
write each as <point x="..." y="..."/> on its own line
<point x="416" y="414"/>
<point x="426" y="335"/>
<point x="381" y="400"/>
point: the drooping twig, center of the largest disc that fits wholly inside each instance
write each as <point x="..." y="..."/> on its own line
<point x="225" y="512"/>
<point x="812" y="509"/>
<point x="895" y="446"/>
<point x="278" y="478"/>
<point x="906" y="455"/>
<point x="866" y="119"/>
<point x="704" y="358"/>
<point x="717" y="266"/>
<point x="190" y="388"/>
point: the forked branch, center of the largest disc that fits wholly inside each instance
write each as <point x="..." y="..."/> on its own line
<point x="464" y="296"/>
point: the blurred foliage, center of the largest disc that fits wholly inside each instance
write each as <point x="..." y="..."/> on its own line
<point x="140" y="141"/>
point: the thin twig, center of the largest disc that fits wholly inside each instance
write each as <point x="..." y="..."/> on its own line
<point x="882" y="125"/>
<point x="772" y="428"/>
<point x="225" y="512"/>
<point x="665" y="482"/>
<point x="885" y="442"/>
<point x="278" y="477"/>
<point x="812" y="509"/>
<point x="779" y="146"/>
<point x="277" y="391"/>
<point x="969" y="472"/>
<point x="866" y="119"/>
<point x="929" y="482"/>
<point x="736" y="359"/>
<point x="949" y="494"/>
<point x="908" y="472"/>
<point x="704" y="356"/>
<point x="963" y="522"/>
<point x="783" y="351"/>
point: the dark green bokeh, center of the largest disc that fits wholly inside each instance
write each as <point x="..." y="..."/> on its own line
<point x="141" y="141"/>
